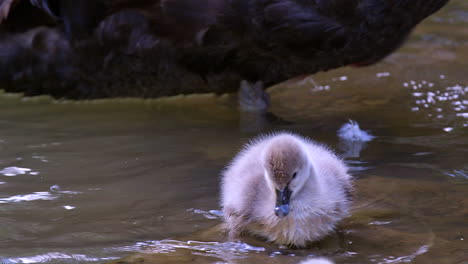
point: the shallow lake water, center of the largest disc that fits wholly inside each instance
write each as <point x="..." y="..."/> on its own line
<point x="136" y="181"/>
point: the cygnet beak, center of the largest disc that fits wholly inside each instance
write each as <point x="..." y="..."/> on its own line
<point x="282" y="202"/>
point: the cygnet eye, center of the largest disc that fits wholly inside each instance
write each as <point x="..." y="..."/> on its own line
<point x="294" y="175"/>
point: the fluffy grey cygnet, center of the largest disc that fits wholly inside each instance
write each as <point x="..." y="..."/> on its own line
<point x="286" y="189"/>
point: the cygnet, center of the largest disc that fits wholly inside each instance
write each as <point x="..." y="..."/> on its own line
<point x="286" y="189"/>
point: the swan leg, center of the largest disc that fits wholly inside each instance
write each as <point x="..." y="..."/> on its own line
<point x="252" y="97"/>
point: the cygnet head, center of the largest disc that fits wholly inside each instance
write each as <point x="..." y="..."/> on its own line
<point x="286" y="170"/>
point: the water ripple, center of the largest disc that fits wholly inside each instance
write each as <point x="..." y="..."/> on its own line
<point x="51" y="256"/>
<point x="457" y="175"/>
<point x="35" y="196"/>
<point x="15" y="171"/>
<point x="211" y="214"/>
<point x="29" y="197"/>
<point x="214" y="249"/>
<point x="407" y="259"/>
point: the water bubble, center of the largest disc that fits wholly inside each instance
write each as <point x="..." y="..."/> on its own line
<point x="54" y="188"/>
<point x="320" y="88"/>
<point x="382" y="74"/>
<point x="41" y="158"/>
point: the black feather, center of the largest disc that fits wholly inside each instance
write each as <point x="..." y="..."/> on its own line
<point x="213" y="43"/>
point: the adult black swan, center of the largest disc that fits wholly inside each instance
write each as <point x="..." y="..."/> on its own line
<point x="149" y="48"/>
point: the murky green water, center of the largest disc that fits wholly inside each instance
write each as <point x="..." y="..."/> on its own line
<point x="90" y="182"/>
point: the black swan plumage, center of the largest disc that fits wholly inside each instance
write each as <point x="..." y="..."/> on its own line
<point x="149" y="48"/>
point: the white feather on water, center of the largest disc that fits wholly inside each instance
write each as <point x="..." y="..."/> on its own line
<point x="353" y="139"/>
<point x="351" y="132"/>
